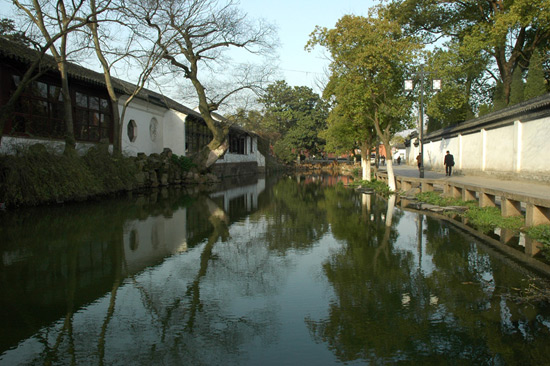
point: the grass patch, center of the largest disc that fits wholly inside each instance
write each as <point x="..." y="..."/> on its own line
<point x="489" y="218"/>
<point x="434" y="198"/>
<point x="541" y="233"/>
<point x="483" y="219"/>
<point x="376" y="185"/>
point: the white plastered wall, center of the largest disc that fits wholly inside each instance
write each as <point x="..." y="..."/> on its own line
<point x="143" y="114"/>
<point x="519" y="147"/>
<point x="535" y="145"/>
<point x="174" y="131"/>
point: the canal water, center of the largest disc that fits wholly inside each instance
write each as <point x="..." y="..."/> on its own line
<point x="283" y="271"/>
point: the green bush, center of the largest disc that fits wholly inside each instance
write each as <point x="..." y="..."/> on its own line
<point x="489" y="218"/>
<point x="376" y="185"/>
<point x="483" y="219"/>
<point x="183" y="162"/>
<point x="540" y="233"/>
<point x="35" y="175"/>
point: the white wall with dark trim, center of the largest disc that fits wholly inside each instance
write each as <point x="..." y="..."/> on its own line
<point x="517" y="148"/>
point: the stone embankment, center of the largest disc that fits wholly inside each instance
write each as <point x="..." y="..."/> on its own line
<point x="158" y="170"/>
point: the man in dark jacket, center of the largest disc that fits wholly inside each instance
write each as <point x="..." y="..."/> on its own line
<point x="449" y="162"/>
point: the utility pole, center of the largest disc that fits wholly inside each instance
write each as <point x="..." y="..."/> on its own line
<point x="409" y="86"/>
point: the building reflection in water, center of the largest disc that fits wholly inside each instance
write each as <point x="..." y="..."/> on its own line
<point x="56" y="260"/>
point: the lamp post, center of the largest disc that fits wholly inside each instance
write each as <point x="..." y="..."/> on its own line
<point x="409" y="86"/>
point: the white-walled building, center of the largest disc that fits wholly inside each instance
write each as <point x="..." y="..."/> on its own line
<point x="513" y="142"/>
<point x="151" y="123"/>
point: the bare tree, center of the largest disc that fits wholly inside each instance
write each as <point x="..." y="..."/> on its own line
<point x="56" y="21"/>
<point x="195" y="35"/>
<point x="145" y="58"/>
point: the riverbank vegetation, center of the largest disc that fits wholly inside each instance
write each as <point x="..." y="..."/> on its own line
<point x="376" y="186"/>
<point x="489" y="218"/>
<point x="37" y="175"/>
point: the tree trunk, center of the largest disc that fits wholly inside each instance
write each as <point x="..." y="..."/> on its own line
<point x="385" y="137"/>
<point x="7" y="109"/>
<point x="365" y="161"/>
<point x="389" y="166"/>
<point x="209" y="154"/>
<point x="116" y="122"/>
<point x="70" y="142"/>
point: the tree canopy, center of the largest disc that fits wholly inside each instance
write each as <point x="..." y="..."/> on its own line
<point x="294" y="117"/>
<point x="504" y="34"/>
<point x="369" y="60"/>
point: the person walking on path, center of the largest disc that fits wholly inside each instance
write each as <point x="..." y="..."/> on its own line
<point x="449" y="162"/>
<point x="419" y="160"/>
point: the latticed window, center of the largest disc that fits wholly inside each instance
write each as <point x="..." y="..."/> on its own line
<point x="92" y="117"/>
<point x="131" y="130"/>
<point x="237" y="143"/>
<point x="197" y="135"/>
<point x="39" y="110"/>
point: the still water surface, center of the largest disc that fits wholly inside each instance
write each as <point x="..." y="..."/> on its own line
<point x="290" y="271"/>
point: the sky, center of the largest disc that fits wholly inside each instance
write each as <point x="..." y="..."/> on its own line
<point x="295" y="20"/>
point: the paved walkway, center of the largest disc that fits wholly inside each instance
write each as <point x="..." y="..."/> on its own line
<point x="533" y="189"/>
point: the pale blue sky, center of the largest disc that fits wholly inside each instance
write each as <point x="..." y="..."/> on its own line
<point x="295" y="20"/>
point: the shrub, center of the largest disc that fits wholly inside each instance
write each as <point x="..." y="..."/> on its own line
<point x="183" y="162"/>
<point x="36" y="175"/>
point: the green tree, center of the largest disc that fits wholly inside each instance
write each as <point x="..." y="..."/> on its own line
<point x="349" y="126"/>
<point x="9" y="31"/>
<point x="294" y="118"/>
<point x="535" y="84"/>
<point x="508" y="32"/>
<point x="499" y="101"/>
<point x="516" y="91"/>
<point x="371" y="53"/>
<point x="462" y="90"/>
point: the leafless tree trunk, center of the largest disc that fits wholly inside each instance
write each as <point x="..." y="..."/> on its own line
<point x="31" y="74"/>
<point x="149" y="58"/>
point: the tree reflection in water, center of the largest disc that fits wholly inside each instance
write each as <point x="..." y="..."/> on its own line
<point x="391" y="308"/>
<point x="314" y="271"/>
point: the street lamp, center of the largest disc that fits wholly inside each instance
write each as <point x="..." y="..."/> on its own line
<point x="409" y="86"/>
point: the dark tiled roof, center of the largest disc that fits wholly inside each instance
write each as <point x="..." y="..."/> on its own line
<point x="535" y="108"/>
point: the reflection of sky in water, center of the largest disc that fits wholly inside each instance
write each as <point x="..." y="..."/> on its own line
<point x="408" y="242"/>
<point x="240" y="301"/>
